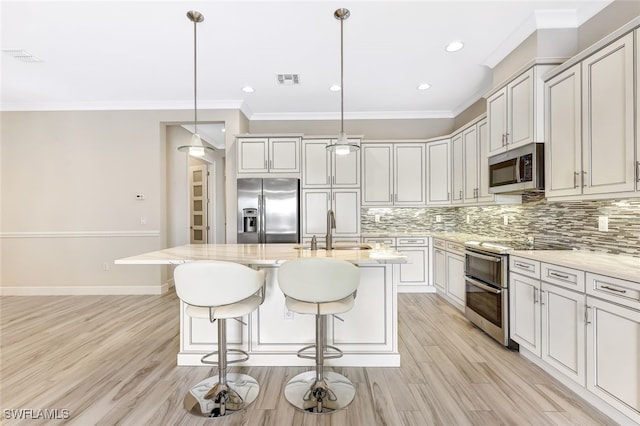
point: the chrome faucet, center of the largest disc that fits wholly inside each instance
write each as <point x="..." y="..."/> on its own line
<point x="331" y="224"/>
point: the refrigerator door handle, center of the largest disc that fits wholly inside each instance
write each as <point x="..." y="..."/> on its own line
<point x="262" y="229"/>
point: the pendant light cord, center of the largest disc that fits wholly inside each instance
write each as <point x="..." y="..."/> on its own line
<point x="195" y="77"/>
<point x="341" y="76"/>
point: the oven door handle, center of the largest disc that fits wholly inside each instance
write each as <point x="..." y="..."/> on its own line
<point x="483" y="286"/>
<point x="484" y="257"/>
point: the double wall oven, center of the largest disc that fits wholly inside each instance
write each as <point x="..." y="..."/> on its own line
<point x="487" y="289"/>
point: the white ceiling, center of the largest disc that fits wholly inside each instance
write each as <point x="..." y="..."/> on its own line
<point x="139" y="55"/>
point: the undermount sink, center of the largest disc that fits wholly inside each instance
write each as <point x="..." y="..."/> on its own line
<point x="337" y="246"/>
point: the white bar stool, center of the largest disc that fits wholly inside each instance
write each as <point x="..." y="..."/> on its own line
<point x="320" y="287"/>
<point x="218" y="291"/>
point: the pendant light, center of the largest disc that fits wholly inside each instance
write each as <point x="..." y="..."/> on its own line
<point x="342" y="145"/>
<point x="195" y="148"/>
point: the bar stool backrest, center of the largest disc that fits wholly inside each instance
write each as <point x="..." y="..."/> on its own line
<point x="216" y="283"/>
<point x="318" y="280"/>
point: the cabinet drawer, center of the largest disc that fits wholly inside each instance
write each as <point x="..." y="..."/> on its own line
<point x="413" y="241"/>
<point x="391" y="242"/>
<point x="441" y="244"/>
<point x="572" y="279"/>
<point x="613" y="289"/>
<point x="455" y="248"/>
<point x="527" y="267"/>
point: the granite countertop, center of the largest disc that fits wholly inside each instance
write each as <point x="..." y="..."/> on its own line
<point x="260" y="254"/>
<point x="612" y="265"/>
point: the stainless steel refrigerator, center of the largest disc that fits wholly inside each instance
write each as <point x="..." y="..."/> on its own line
<point x="268" y="210"/>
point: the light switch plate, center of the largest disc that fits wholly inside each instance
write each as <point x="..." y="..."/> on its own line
<point x="438" y="218"/>
<point x="603" y="223"/>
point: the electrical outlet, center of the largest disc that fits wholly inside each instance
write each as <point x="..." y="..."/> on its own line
<point x="505" y="219"/>
<point x="438" y="218"/>
<point x="603" y="223"/>
<point x="105" y="266"/>
<point x="376" y="218"/>
<point x="288" y="315"/>
<point x="143" y="220"/>
<point x="468" y="219"/>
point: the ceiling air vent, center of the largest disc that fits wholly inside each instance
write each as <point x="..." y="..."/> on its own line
<point x="21" y="55"/>
<point x="288" y="79"/>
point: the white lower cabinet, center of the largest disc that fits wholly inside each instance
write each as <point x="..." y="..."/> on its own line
<point x="585" y="329"/>
<point x="448" y="272"/>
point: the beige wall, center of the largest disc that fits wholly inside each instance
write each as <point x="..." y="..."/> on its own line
<point x="68" y="183"/>
<point x="608" y="20"/>
<point x="475" y="110"/>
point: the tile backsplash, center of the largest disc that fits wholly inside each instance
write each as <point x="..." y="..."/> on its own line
<point x="573" y="223"/>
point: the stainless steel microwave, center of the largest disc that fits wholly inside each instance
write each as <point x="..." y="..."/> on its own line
<point x="517" y="170"/>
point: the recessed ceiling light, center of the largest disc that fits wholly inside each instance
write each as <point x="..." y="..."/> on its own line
<point x="335" y="88"/>
<point x="454" y="46"/>
<point x="423" y="86"/>
<point x="223" y="130"/>
<point x="248" y="89"/>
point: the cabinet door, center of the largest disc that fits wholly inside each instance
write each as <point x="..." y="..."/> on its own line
<point x="284" y="155"/>
<point x="563" y="144"/>
<point x="456" y="287"/>
<point x="524" y="312"/>
<point x="520" y="110"/>
<point x="409" y="174"/>
<point x="415" y="271"/>
<point x="608" y="139"/>
<point x="315" y="203"/>
<point x="377" y="174"/>
<point x="346" y="206"/>
<point x="470" y="164"/>
<point x="497" y="121"/>
<point x="563" y="331"/>
<point x="346" y="169"/>
<point x="438" y="172"/>
<point x="613" y="355"/>
<point x="439" y="270"/>
<point x="457" y="167"/>
<point x="316" y="163"/>
<point x="483" y="158"/>
<point x="253" y="155"/>
<point x="637" y="33"/>
<point x="365" y="325"/>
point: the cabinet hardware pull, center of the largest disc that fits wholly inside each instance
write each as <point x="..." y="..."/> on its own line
<point x="542" y="297"/>
<point x="586" y="314"/>
<point x="461" y="194"/>
<point x="535" y="296"/>
<point x="583" y="176"/>
<point x="613" y="289"/>
<point x="506" y="139"/>
<point x="266" y="164"/>
<point x="522" y="265"/>
<point x="448" y="196"/>
<point x="555" y="274"/>
<point x="637" y="171"/>
<point x="575" y="179"/>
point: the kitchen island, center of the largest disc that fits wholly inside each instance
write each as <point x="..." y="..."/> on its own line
<point x="272" y="335"/>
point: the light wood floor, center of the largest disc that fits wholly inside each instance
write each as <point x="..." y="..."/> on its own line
<point x="112" y="360"/>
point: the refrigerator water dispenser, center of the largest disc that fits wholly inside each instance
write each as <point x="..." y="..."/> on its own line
<point x="250" y="218"/>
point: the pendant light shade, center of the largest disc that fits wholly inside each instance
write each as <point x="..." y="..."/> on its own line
<point x="195" y="148"/>
<point x="342" y="146"/>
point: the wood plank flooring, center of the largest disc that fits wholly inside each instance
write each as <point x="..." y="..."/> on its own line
<point x="112" y="360"/>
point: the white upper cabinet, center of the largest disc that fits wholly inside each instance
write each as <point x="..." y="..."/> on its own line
<point x="268" y="155"/>
<point x="322" y="169"/>
<point x="515" y="112"/>
<point x="637" y="40"/>
<point x="344" y="202"/>
<point x="607" y="118"/>
<point x="563" y="145"/>
<point x="470" y="164"/>
<point x="393" y="174"/>
<point x="483" y="194"/>
<point x="590" y="146"/>
<point x="439" y="172"/>
<point x="457" y="167"/>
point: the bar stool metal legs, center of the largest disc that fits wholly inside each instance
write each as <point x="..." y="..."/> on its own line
<point x="318" y="391"/>
<point x="225" y="393"/>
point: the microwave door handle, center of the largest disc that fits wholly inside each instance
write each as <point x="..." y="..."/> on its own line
<point x="483" y="286"/>
<point x="519" y="161"/>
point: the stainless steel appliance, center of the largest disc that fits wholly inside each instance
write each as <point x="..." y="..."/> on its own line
<point x="517" y="170"/>
<point x="268" y="210"/>
<point x="487" y="284"/>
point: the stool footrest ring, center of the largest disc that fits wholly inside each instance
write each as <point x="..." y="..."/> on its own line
<point x="245" y="357"/>
<point x="335" y="352"/>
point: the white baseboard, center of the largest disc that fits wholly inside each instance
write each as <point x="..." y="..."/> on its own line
<point x="85" y="290"/>
<point x="416" y="289"/>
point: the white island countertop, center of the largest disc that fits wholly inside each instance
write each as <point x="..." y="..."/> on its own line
<point x="263" y="254"/>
